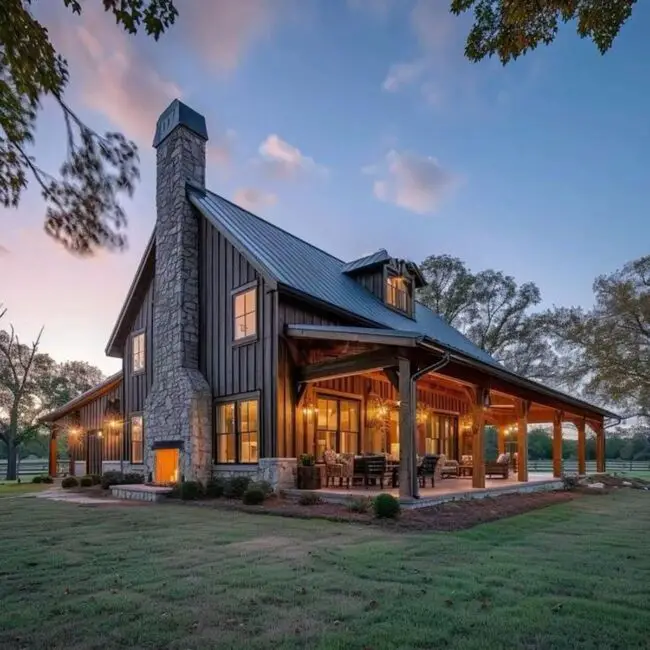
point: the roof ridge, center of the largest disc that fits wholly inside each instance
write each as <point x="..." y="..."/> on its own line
<point x="255" y="216"/>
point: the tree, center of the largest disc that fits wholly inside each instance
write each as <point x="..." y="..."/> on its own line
<point x="493" y="311"/>
<point x="610" y="343"/>
<point x="83" y="204"/>
<point x="510" y="28"/>
<point x="31" y="384"/>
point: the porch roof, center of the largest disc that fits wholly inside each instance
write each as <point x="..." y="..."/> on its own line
<point x="405" y="338"/>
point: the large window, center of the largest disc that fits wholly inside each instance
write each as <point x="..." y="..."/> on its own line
<point x="397" y="292"/>
<point x="337" y="426"/>
<point x="245" y="314"/>
<point x="138" y="352"/>
<point x="137" y="439"/>
<point x="442" y="435"/>
<point x="237" y="432"/>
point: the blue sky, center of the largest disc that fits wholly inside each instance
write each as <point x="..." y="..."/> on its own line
<point x="355" y="124"/>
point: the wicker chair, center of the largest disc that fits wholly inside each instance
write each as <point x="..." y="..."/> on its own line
<point x="333" y="468"/>
<point x="347" y="468"/>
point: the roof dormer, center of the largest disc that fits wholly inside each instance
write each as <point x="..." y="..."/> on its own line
<point x="392" y="280"/>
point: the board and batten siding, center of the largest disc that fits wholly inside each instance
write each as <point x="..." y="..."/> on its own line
<point x="233" y="368"/>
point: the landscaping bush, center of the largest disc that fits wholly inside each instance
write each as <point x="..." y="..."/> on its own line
<point x="236" y="486"/>
<point x="86" y="481"/>
<point x="69" y="482"/>
<point x="47" y="479"/>
<point x="359" y="504"/>
<point x="254" y="495"/>
<point x="309" y="499"/>
<point x="133" y="478"/>
<point x="570" y="481"/>
<point x="95" y="478"/>
<point x="386" y="507"/>
<point x="265" y="486"/>
<point x="215" y="488"/>
<point x="111" y="478"/>
<point x="37" y="479"/>
<point x="191" y="490"/>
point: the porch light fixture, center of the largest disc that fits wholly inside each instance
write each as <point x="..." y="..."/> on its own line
<point x="309" y="409"/>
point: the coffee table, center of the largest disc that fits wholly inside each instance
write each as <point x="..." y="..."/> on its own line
<point x="465" y="470"/>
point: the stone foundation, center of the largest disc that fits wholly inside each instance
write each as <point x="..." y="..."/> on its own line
<point x="140" y="492"/>
<point x="279" y="472"/>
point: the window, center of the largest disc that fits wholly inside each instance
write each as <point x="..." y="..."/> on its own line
<point x="137" y="439"/>
<point x="441" y="435"/>
<point x="337" y="426"/>
<point x="137" y="351"/>
<point x="237" y="432"/>
<point x="245" y="310"/>
<point x="397" y="292"/>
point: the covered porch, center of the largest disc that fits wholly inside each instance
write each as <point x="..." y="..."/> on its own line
<point x="361" y="392"/>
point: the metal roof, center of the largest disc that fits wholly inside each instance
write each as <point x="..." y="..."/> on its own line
<point x="379" y="257"/>
<point x="302" y="267"/>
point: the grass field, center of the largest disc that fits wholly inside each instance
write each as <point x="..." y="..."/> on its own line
<point x="174" y="576"/>
<point x="12" y="488"/>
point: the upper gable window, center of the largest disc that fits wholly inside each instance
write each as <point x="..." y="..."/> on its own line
<point x="245" y="314"/>
<point x="398" y="292"/>
<point x="138" y="352"/>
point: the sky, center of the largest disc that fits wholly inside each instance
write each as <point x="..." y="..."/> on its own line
<point x="355" y="124"/>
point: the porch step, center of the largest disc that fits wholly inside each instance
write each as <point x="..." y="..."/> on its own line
<point x="138" y="492"/>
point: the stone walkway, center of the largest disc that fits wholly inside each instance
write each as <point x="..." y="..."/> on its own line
<point x="59" y="494"/>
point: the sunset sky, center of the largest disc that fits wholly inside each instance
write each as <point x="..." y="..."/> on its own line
<point x="355" y="124"/>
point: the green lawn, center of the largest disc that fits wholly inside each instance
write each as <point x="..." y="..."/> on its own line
<point x="12" y="488"/>
<point x="183" y="577"/>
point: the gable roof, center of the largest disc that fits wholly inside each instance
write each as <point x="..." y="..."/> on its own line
<point x="310" y="271"/>
<point x="378" y="257"/>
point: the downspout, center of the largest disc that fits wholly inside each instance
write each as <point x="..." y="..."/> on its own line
<point x="434" y="367"/>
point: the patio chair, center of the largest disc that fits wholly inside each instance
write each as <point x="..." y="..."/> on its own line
<point x="370" y="469"/>
<point x="428" y="468"/>
<point x="347" y="469"/>
<point x="333" y="467"/>
<point x="497" y="468"/>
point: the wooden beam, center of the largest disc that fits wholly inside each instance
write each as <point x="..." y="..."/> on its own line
<point x="522" y="409"/>
<point x="600" y="446"/>
<point x="582" y="447"/>
<point x="557" y="444"/>
<point x="352" y="365"/>
<point x="408" y="482"/>
<point x="393" y="376"/>
<point x="478" y="437"/>
<point x="53" y="455"/>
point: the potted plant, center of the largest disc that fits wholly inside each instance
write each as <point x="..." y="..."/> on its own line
<point x="308" y="474"/>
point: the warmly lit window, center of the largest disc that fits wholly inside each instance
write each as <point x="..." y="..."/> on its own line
<point x="441" y="435"/>
<point x="397" y="294"/>
<point x="137" y="349"/>
<point x="237" y="432"/>
<point x="137" y="439"/>
<point x="245" y="314"/>
<point x="337" y="426"/>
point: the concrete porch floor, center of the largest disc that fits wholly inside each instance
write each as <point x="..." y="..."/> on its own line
<point x="449" y="489"/>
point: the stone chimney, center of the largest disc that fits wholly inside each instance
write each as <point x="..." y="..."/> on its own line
<point x="179" y="405"/>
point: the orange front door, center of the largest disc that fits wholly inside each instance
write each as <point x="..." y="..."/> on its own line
<point x="166" y="465"/>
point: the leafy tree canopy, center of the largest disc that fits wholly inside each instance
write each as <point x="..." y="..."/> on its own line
<point x="83" y="202"/>
<point x="510" y="28"/>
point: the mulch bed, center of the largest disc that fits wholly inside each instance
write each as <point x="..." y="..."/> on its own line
<point x="454" y="515"/>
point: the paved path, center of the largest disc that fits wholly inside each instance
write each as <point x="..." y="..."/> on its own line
<point x="59" y="494"/>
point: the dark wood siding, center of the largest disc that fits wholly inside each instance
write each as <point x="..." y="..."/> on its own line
<point x="136" y="386"/>
<point x="233" y="368"/>
<point x="374" y="281"/>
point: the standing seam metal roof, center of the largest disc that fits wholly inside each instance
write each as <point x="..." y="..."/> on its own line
<point x="303" y="267"/>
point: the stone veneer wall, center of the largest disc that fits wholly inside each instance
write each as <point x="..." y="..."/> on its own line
<point x="279" y="472"/>
<point x="179" y="404"/>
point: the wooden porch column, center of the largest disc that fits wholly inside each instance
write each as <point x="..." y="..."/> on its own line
<point x="557" y="444"/>
<point x="501" y="438"/>
<point x="408" y="480"/>
<point x="478" y="438"/>
<point x="600" y="446"/>
<point x="582" y="447"/>
<point x="523" y="407"/>
<point x="51" y="470"/>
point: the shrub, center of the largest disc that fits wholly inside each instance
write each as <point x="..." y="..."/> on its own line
<point x="95" y="478"/>
<point x="191" y="490"/>
<point x="253" y="496"/>
<point x="86" y="481"/>
<point x="37" y="479"/>
<point x="236" y="486"/>
<point x="69" y="482"/>
<point x="307" y="460"/>
<point x="309" y="499"/>
<point x="386" y="507"/>
<point x="47" y="479"/>
<point x="359" y="504"/>
<point x="111" y="478"/>
<point x="215" y="488"/>
<point x="570" y="481"/>
<point x="133" y="478"/>
<point x="265" y="486"/>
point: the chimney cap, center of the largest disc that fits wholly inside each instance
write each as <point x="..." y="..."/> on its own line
<point x="179" y="114"/>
